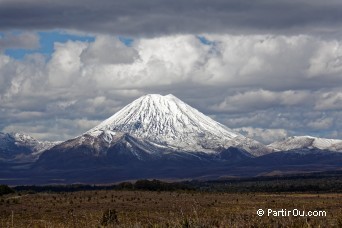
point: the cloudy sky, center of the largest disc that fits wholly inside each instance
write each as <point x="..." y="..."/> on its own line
<point x="268" y="69"/>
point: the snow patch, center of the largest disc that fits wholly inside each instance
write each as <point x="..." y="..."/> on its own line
<point x="297" y="142"/>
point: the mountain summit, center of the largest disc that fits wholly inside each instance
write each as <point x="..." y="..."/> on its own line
<point x="168" y="121"/>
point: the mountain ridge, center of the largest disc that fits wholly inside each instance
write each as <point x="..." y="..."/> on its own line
<point x="300" y="142"/>
<point x="20" y="147"/>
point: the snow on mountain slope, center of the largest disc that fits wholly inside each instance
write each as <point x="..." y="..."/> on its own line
<point x="21" y="147"/>
<point x="37" y="146"/>
<point x="297" y="142"/>
<point x="168" y="121"/>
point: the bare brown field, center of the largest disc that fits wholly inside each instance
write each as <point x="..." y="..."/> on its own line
<point x="165" y="209"/>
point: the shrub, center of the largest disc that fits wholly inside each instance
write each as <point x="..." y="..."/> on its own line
<point x="4" y="189"/>
<point x="109" y="217"/>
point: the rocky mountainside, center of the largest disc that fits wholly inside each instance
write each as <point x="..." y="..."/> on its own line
<point x="18" y="147"/>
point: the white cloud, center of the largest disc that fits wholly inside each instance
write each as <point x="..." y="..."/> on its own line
<point x="263" y="99"/>
<point x="65" y="65"/>
<point x="321" y="124"/>
<point x="108" y="50"/>
<point x="329" y="101"/>
<point x="259" y="60"/>
<point x="258" y="81"/>
<point x="266" y="136"/>
<point x="58" y="130"/>
<point x="327" y="59"/>
<point x="24" y="40"/>
<point x="162" y="61"/>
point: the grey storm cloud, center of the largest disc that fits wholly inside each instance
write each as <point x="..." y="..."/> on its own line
<point x="154" y="17"/>
<point x="269" y="69"/>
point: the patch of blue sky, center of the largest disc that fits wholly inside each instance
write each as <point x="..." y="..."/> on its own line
<point x="126" y="40"/>
<point x="19" y="54"/>
<point x="204" y="40"/>
<point x="47" y="40"/>
<point x="213" y="49"/>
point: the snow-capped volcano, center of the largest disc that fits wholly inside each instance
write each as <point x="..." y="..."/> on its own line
<point x="162" y="137"/>
<point x="299" y="142"/>
<point x="154" y="135"/>
<point x="168" y="121"/>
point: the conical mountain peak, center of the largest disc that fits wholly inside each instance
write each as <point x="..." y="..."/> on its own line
<point x="169" y="122"/>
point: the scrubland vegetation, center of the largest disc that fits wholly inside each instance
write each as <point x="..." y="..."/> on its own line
<point x="113" y="208"/>
<point x="189" y="204"/>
